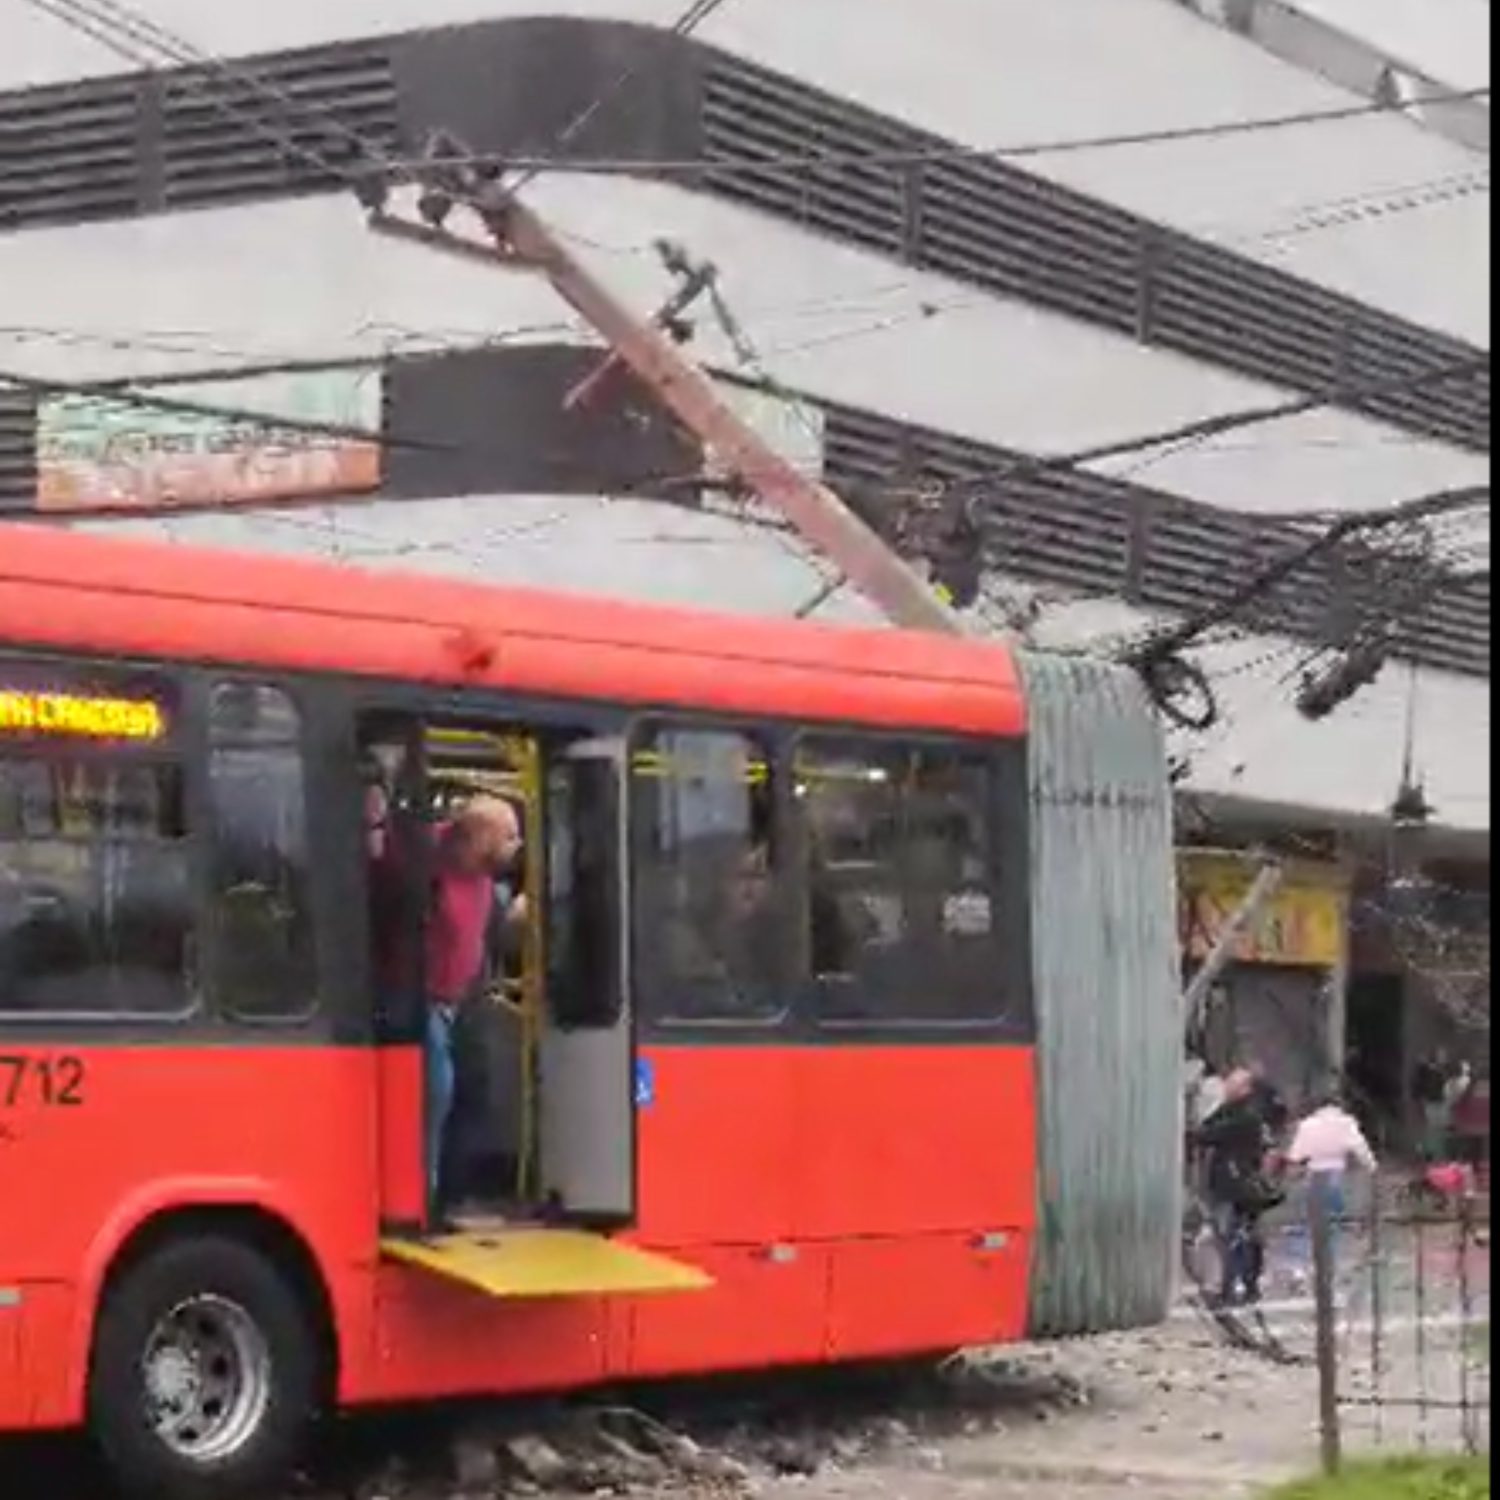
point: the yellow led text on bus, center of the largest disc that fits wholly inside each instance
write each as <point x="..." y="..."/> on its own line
<point x="81" y="718"/>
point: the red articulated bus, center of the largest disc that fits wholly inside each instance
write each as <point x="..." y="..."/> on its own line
<point x="748" y="1082"/>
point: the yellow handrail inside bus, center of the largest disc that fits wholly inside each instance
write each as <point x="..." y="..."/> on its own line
<point x="524" y="755"/>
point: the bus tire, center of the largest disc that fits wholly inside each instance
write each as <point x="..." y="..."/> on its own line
<point x="205" y="1372"/>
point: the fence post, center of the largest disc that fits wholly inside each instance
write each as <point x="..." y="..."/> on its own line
<point x="1377" y="1301"/>
<point x="1466" y="1238"/>
<point x="1328" y="1354"/>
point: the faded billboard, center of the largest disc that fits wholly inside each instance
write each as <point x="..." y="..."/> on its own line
<point x="238" y="441"/>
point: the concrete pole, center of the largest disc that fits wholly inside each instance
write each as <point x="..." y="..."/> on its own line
<point x="1267" y="883"/>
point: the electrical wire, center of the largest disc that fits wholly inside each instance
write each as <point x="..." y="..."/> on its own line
<point x="938" y="155"/>
<point x="1021" y="464"/>
<point x="1236" y="421"/>
<point x="1163" y="645"/>
<point x="251" y="365"/>
<point x="96" y="20"/>
<point x="131" y="395"/>
<point x="136" y="38"/>
<point x="929" y="309"/>
<point x="436" y="345"/>
<point x="97" y="17"/>
<point x="1441" y="503"/>
<point x="686" y="24"/>
<point x="427" y="341"/>
<point x="140" y="30"/>
<point x="101" y="14"/>
<point x="334" y="527"/>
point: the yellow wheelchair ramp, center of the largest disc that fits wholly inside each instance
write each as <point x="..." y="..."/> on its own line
<point x="527" y="1264"/>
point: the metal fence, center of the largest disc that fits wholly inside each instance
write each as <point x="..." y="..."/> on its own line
<point x="1402" y="1323"/>
<point x="1389" y="1302"/>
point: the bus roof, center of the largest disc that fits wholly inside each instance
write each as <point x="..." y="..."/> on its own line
<point x="63" y="590"/>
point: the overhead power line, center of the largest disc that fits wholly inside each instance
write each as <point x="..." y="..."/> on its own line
<point x="686" y="24"/>
<point x="134" y="36"/>
<point x="1345" y="394"/>
<point x="1161" y="645"/>
<point x="1182" y="689"/>
<point x="936" y="155"/>
<point x="132" y="394"/>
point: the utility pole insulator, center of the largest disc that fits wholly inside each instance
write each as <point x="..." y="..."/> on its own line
<point x="671" y="319"/>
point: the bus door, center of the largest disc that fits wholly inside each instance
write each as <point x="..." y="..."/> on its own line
<point x="397" y="866"/>
<point x="553" y="1042"/>
<point x="587" y="1058"/>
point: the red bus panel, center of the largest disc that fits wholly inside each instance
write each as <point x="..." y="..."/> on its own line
<point x="906" y="1140"/>
<point x="895" y="1298"/>
<point x="155" y="1129"/>
<point x="719" y="1144"/>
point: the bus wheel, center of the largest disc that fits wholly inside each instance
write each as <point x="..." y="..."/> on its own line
<point x="204" y="1379"/>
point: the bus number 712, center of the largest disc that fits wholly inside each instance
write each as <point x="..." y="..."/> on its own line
<point x="51" y="1082"/>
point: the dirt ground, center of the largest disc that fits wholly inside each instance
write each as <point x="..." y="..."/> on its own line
<point x="1169" y="1415"/>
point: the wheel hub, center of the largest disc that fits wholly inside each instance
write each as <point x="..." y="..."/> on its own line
<point x="171" y="1378"/>
<point x="207" y="1379"/>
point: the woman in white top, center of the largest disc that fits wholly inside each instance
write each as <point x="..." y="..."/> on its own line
<point x="1327" y="1142"/>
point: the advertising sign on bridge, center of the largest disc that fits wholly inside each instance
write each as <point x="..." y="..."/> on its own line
<point x="212" y="443"/>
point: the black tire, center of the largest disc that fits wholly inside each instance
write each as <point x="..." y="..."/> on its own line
<point x="241" y="1286"/>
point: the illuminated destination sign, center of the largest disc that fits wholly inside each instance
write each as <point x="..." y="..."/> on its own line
<point x="75" y="717"/>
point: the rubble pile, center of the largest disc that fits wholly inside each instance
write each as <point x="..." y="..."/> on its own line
<point x="729" y="1440"/>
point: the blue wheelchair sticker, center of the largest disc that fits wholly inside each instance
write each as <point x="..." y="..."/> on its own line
<point x="645" y="1084"/>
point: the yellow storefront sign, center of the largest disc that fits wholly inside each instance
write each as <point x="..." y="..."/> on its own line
<point x="1302" y="926"/>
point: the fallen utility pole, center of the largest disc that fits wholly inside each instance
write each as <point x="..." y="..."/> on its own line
<point x="1266" y="884"/>
<point x="522" y="240"/>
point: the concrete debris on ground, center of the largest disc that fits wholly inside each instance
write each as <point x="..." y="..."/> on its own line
<point x="736" y="1439"/>
<point x="1172" y="1414"/>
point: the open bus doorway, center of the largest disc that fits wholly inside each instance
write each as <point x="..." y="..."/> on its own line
<point x="488" y="1159"/>
<point x="538" y="1127"/>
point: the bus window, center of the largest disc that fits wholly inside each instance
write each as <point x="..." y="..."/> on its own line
<point x="710" y="935"/>
<point x="902" y="906"/>
<point x="261" y="953"/>
<point x="584" y="989"/>
<point x="96" y="897"/>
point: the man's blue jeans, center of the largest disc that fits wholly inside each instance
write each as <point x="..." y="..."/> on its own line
<point x="1243" y="1253"/>
<point x="442" y="1088"/>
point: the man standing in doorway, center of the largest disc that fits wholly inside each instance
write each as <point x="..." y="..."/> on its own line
<point x="473" y="852"/>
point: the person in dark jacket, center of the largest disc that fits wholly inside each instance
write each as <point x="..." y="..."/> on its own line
<point x="1237" y="1140"/>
